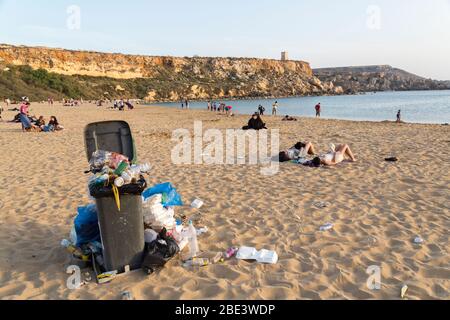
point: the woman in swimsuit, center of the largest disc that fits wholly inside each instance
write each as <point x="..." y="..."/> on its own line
<point x="335" y="157"/>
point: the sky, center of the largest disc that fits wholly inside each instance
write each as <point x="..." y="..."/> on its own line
<point x="409" y="34"/>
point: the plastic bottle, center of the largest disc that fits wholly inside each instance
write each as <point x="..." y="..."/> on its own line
<point x="196" y="262"/>
<point x="127" y="178"/>
<point x="98" y="180"/>
<point x="193" y="243"/>
<point x="179" y="227"/>
<point x="119" y="182"/>
<point x="121" y="168"/>
<point x="231" y="252"/>
<point x="177" y="231"/>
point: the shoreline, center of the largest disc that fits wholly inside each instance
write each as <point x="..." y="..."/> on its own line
<point x="268" y="116"/>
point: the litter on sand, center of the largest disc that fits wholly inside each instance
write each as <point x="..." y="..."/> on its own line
<point x="197" y="204"/>
<point x="127" y="295"/>
<point x="202" y="231"/>
<point x="263" y="256"/>
<point x="326" y="227"/>
<point x="321" y="204"/>
<point x="404" y="291"/>
<point x="418" y="240"/>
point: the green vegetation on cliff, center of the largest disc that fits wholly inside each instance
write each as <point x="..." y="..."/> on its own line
<point x="17" y="81"/>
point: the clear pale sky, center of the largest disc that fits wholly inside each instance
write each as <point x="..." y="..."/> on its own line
<point x="410" y="34"/>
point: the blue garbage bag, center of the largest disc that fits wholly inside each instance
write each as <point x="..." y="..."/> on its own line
<point x="86" y="225"/>
<point x="171" y="198"/>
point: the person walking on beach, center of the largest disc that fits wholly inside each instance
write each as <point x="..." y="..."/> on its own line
<point x="318" y="110"/>
<point x="209" y="105"/>
<point x="261" y="110"/>
<point x="187" y="104"/>
<point x="182" y="104"/>
<point x="399" y="116"/>
<point x="275" y="108"/>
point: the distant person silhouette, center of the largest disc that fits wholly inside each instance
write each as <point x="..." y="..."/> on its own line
<point x="399" y="116"/>
<point x="318" y="110"/>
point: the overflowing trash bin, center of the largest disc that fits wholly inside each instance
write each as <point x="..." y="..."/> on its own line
<point x="117" y="187"/>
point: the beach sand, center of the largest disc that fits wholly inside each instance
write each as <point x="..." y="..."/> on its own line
<point x="377" y="209"/>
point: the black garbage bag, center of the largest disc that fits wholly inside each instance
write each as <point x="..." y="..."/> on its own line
<point x="159" y="252"/>
<point x="128" y="189"/>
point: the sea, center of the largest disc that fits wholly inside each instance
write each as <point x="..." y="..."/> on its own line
<point x="430" y="107"/>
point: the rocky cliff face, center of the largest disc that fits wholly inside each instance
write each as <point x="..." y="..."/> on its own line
<point x="377" y="78"/>
<point x="193" y="78"/>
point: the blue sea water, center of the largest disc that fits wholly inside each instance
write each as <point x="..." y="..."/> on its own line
<point x="416" y="106"/>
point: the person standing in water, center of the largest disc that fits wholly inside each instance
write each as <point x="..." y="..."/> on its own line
<point x="318" y="110"/>
<point x="275" y="108"/>
<point x="399" y="116"/>
<point x="187" y="104"/>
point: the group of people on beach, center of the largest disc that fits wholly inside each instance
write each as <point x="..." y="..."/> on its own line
<point x="262" y="110"/>
<point x="121" y="104"/>
<point x="185" y="104"/>
<point x="32" y="123"/>
<point x="221" y="108"/>
<point x="69" y="102"/>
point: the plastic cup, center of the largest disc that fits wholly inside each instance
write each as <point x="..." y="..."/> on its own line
<point x="119" y="182"/>
<point x="127" y="178"/>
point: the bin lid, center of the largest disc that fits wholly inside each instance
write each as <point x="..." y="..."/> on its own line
<point x="113" y="136"/>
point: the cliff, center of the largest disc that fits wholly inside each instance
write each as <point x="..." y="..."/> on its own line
<point x="172" y="78"/>
<point x="377" y="78"/>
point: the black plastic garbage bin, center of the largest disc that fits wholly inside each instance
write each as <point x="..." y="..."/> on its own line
<point x="122" y="232"/>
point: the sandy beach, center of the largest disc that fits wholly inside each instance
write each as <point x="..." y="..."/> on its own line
<point x="377" y="209"/>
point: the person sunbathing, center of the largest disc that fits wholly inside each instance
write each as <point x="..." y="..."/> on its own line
<point x="53" y="125"/>
<point x="300" y="150"/>
<point x="40" y="122"/>
<point x="288" y="118"/>
<point x="335" y="156"/>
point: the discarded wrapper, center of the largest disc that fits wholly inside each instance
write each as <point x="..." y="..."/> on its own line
<point x="418" y="240"/>
<point x="127" y="295"/>
<point x="326" y="227"/>
<point x="106" y="277"/>
<point x="202" y="231"/>
<point x="197" y="204"/>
